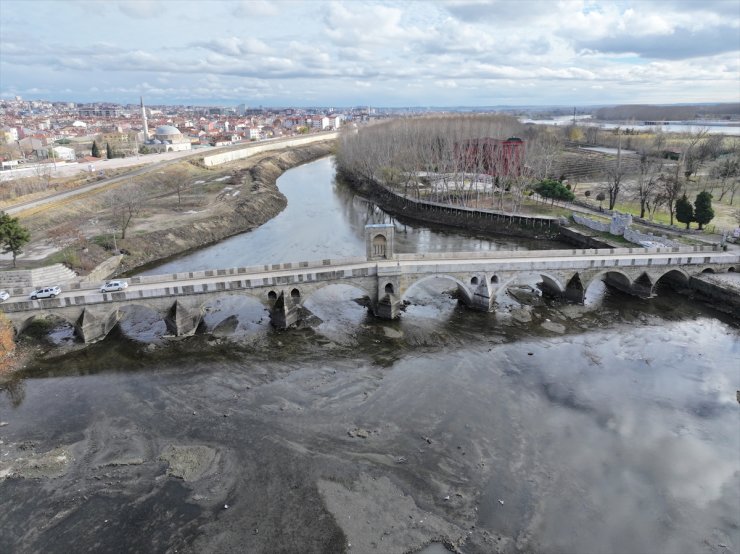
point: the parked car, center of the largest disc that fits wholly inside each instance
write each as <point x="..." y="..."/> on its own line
<point x="45" y="292"/>
<point x="112" y="286"/>
<point x="4" y="295"/>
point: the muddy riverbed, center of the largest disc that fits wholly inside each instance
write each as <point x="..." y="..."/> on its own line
<point x="542" y="427"/>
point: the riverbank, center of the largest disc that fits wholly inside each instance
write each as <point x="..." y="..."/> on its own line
<point x="175" y="210"/>
<point x="253" y="198"/>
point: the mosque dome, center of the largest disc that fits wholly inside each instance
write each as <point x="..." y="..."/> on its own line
<point x="166" y="130"/>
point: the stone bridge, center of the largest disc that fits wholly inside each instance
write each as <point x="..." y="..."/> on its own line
<point x="384" y="278"/>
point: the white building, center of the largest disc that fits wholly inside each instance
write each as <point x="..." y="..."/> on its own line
<point x="168" y="139"/>
<point x="64" y="153"/>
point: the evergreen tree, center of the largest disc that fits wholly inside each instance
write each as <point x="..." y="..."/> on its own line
<point x="684" y="211"/>
<point x="549" y="188"/>
<point x="95" y="150"/>
<point x="703" y="211"/>
<point x="108" y="151"/>
<point x="13" y="236"/>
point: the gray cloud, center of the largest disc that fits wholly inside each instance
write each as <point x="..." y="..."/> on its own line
<point x="680" y="45"/>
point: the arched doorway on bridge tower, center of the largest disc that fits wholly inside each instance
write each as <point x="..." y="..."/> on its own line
<point x="380" y="244"/>
<point x="379" y="241"/>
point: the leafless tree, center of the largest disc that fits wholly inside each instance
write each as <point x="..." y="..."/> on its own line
<point x="671" y="186"/>
<point x="647" y="183"/>
<point x="726" y="171"/>
<point x="126" y="203"/>
<point x="175" y="179"/>
<point x="615" y="173"/>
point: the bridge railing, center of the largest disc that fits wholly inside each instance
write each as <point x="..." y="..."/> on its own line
<point x="236" y="271"/>
<point x="502" y="254"/>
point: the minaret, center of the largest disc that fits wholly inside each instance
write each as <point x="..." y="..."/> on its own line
<point x="143" y="117"/>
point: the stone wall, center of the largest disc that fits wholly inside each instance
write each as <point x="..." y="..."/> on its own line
<point x="103" y="270"/>
<point x="256" y="148"/>
<point x="592" y="224"/>
<point x="638" y="238"/>
<point x="620" y="226"/>
<point x="405" y="208"/>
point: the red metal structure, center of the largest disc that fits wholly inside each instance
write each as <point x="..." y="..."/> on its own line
<point x="494" y="157"/>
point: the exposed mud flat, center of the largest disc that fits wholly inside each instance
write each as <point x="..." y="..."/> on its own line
<point x="578" y="430"/>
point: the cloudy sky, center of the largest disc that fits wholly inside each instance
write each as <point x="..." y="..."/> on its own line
<point x="379" y="53"/>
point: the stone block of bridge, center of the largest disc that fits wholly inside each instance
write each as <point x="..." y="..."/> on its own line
<point x="387" y="303"/>
<point x="90" y="327"/>
<point x="480" y="296"/>
<point x="182" y="320"/>
<point x="285" y="311"/>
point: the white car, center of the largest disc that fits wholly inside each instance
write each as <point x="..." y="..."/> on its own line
<point x="112" y="286"/>
<point x="4" y="295"/>
<point x="45" y="292"/>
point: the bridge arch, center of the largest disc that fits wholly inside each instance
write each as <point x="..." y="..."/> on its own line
<point x="209" y="317"/>
<point x="315" y="287"/>
<point x="461" y="286"/>
<point x="618" y="278"/>
<point x="19" y="328"/>
<point x="676" y="275"/>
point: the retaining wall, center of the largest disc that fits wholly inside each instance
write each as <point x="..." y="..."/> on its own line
<point x="256" y="148"/>
<point x="456" y="216"/>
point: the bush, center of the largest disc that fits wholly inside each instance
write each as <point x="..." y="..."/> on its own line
<point x="555" y="190"/>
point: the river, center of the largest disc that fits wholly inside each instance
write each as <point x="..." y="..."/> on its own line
<point x="543" y="427"/>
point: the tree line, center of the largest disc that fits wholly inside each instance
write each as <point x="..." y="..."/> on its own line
<point x="420" y="157"/>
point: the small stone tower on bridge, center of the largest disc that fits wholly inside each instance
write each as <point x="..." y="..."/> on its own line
<point x="379" y="241"/>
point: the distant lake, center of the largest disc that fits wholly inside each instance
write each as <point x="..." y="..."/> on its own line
<point x="714" y="127"/>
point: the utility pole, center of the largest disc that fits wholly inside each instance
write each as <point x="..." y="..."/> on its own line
<point x="574" y="116"/>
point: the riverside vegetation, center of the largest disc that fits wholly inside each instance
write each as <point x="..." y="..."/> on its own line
<point x="645" y="175"/>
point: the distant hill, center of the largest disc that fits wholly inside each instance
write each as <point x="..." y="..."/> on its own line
<point x="671" y="113"/>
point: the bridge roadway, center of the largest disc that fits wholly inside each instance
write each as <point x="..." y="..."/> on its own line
<point x="182" y="298"/>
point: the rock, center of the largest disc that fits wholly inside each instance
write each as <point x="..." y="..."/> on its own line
<point x="553" y="327"/>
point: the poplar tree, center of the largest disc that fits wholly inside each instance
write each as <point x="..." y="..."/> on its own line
<point x="95" y="150"/>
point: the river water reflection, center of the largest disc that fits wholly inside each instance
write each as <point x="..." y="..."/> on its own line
<point x="325" y="219"/>
<point x="543" y="427"/>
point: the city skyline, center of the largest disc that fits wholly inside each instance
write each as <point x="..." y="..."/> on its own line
<point x="455" y="53"/>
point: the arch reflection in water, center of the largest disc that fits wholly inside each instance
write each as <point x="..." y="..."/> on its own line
<point x="142" y="324"/>
<point x="338" y="310"/>
<point x="235" y="316"/>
